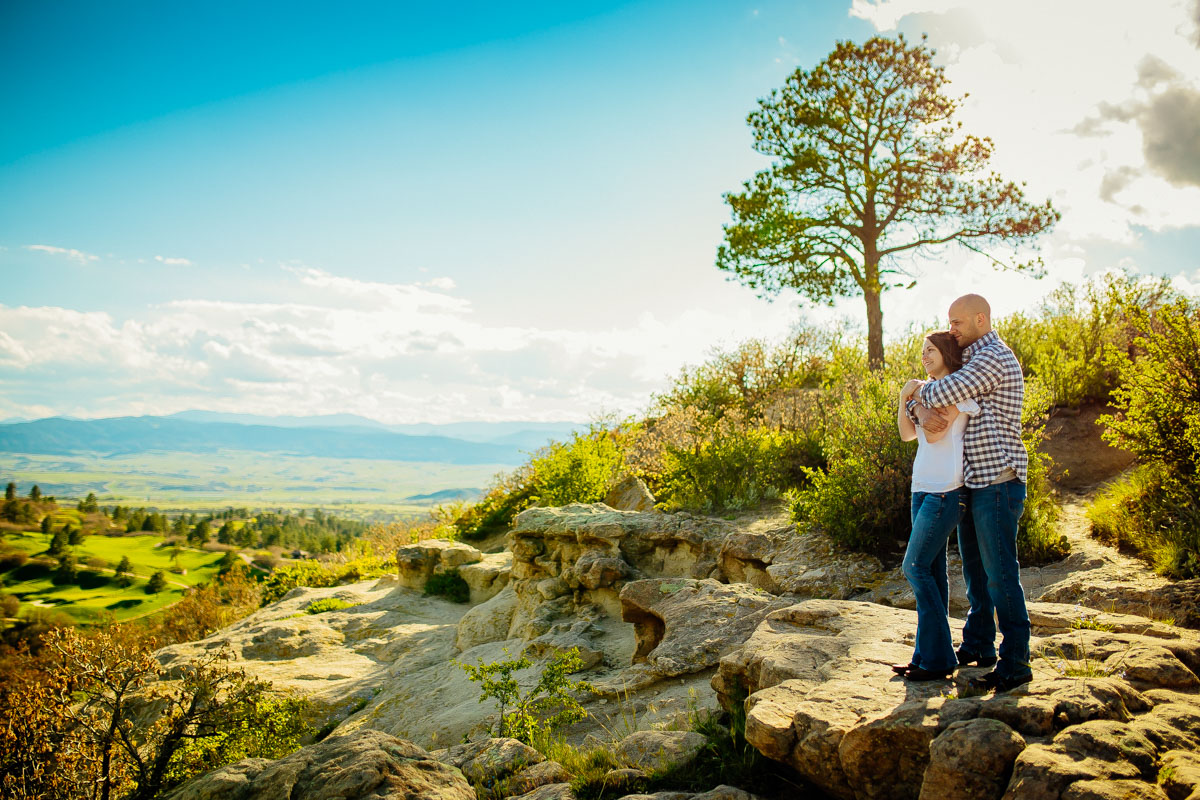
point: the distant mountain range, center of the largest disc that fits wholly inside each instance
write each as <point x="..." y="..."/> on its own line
<point x="332" y="436"/>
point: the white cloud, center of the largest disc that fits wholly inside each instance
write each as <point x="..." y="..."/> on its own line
<point x="75" y="255"/>
<point x="173" y="261"/>
<point x="395" y="352"/>
<point x="1076" y="95"/>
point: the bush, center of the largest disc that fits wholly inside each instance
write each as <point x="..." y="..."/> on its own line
<point x="531" y="716"/>
<point x="578" y="471"/>
<point x="1156" y="510"/>
<point x="1038" y="538"/>
<point x="1060" y="344"/>
<point x="448" y="584"/>
<point x="1154" y="514"/>
<point x="727" y="465"/>
<point x="862" y="499"/>
<point x="12" y="560"/>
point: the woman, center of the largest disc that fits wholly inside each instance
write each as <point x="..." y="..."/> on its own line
<point x="938" y="504"/>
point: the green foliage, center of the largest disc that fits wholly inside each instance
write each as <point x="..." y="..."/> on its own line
<point x="1155" y="513"/>
<point x="862" y="499"/>
<point x="1061" y="342"/>
<point x="327" y="604"/>
<point x="318" y="574"/>
<point x="578" y="471"/>
<point x="450" y="585"/>
<point x="1038" y="538"/>
<point x="1156" y="510"/>
<point x="540" y="710"/>
<point x="731" y="467"/>
<point x="271" y="726"/>
<point x="157" y="582"/>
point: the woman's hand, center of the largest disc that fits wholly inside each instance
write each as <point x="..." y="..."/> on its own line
<point x="910" y="388"/>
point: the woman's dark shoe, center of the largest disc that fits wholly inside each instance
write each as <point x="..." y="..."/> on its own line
<point x="918" y="674"/>
<point x="993" y="681"/>
<point x="900" y="669"/>
<point x="966" y="659"/>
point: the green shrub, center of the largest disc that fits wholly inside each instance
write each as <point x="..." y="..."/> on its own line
<point x="532" y="715"/>
<point x="1154" y="514"/>
<point x="448" y="584"/>
<point x="1038" y="538"/>
<point x="1061" y="343"/>
<point x="578" y="471"/>
<point x="862" y="499"/>
<point x="327" y="604"/>
<point x="1156" y="510"/>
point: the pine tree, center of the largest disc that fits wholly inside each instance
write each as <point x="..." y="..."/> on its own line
<point x="157" y="582"/>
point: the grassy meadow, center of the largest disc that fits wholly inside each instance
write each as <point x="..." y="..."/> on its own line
<point x="97" y="590"/>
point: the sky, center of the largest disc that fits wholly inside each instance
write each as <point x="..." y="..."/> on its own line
<point x="504" y="211"/>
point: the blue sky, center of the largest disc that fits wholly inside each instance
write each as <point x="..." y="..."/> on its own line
<point x="489" y="212"/>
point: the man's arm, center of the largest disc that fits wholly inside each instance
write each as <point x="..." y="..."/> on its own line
<point x="976" y="378"/>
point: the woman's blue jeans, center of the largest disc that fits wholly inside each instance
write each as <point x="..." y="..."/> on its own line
<point x="987" y="540"/>
<point x="934" y="516"/>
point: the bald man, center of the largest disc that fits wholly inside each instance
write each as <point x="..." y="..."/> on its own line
<point x="995" y="468"/>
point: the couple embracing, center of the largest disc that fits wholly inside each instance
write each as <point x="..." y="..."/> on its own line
<point x="969" y="473"/>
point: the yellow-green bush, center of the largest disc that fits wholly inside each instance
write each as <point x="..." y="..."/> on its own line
<point x="1157" y="509"/>
<point x="578" y="471"/>
<point x="1063" y="342"/>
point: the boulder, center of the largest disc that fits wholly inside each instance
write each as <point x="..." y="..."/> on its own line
<point x="537" y="775"/>
<point x="629" y="494"/>
<point x="656" y="750"/>
<point x="369" y="765"/>
<point x="489" y="759"/>
<point x="487" y="577"/>
<point x="784" y="561"/>
<point x="820" y="697"/>
<point x="686" y="625"/>
<point x="416" y="563"/>
<point x="971" y="760"/>
<point x="487" y="622"/>
<point x="551" y="791"/>
<point x="1180" y="774"/>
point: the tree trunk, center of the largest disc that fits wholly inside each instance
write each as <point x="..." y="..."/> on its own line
<point x="874" y="329"/>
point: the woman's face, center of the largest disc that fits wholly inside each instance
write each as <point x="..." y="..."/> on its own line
<point x="932" y="361"/>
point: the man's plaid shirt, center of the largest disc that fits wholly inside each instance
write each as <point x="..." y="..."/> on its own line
<point x="993" y="378"/>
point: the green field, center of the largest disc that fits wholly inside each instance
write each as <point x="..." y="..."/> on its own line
<point x="361" y="489"/>
<point x="97" y="591"/>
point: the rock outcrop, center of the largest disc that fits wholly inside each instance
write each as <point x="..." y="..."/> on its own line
<point x="368" y="765"/>
<point x="629" y="494"/>
<point x="820" y="697"/>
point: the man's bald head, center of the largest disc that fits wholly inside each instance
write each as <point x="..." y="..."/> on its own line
<point x="970" y="318"/>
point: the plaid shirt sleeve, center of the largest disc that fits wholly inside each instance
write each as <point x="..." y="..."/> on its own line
<point x="981" y="375"/>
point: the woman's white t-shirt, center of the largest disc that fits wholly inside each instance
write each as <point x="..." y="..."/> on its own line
<point x="938" y="466"/>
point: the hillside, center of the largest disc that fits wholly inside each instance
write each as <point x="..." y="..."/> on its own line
<point x="124" y="435"/>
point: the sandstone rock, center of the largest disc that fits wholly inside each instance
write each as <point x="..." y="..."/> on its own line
<point x="365" y="765"/>
<point x="685" y="626"/>
<point x="493" y="759"/>
<point x="551" y="791"/>
<point x="415" y="563"/>
<point x="1180" y="774"/>
<point x="1113" y="790"/>
<point x="487" y="622"/>
<point x="724" y="792"/>
<point x="629" y="494"/>
<point x="784" y="561"/>
<point x="971" y="760"/>
<point x="487" y="577"/>
<point x="657" y="750"/>
<point x="624" y="779"/>
<point x="540" y="774"/>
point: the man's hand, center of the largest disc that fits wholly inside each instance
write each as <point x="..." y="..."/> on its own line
<point x="933" y="420"/>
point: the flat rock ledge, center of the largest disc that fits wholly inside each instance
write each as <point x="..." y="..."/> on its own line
<point x="367" y="765"/>
<point x="1106" y="708"/>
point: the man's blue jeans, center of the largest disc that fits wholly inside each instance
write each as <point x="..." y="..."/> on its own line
<point x="933" y="517"/>
<point x="987" y="541"/>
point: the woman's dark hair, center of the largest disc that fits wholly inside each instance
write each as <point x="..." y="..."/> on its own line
<point x="945" y="343"/>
